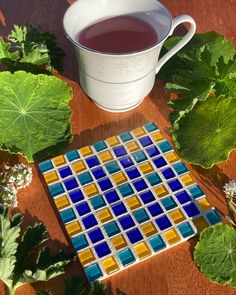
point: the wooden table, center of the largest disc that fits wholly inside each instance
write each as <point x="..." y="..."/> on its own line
<point x="173" y="272"/>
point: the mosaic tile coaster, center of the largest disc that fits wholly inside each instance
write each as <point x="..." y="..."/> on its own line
<point x="125" y="199"/>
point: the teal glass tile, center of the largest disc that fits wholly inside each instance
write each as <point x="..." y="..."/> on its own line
<point x="196" y="191"/>
<point x="85" y="178"/>
<point x="157" y="243"/>
<point x="111" y="228"/>
<point x="67" y="215"/>
<point x="45" y="166"/>
<point x="72" y="155"/>
<point x="93" y="272"/>
<point x="100" y="146"/>
<point x="186" y="230"/>
<point x="126" y="257"/>
<point x="79" y="242"/>
<point x="125" y="190"/>
<point x="213" y="217"/>
<point x="98" y="202"/>
<point x="141" y="215"/>
<point x="126" y="136"/>
<point x="56" y="189"/>
<point x="153" y="178"/>
<point x="150" y="127"/>
<point x="139" y="156"/>
<point x="165" y="146"/>
<point x="168" y="203"/>
<point x="112" y="167"/>
<point x="180" y="168"/>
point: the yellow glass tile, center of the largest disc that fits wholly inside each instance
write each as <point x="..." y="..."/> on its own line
<point x="119" y="242"/>
<point x="177" y="216"/>
<point x="78" y="166"/>
<point x="112" y="141"/>
<point x="171" y="157"/>
<point x="132" y="146"/>
<point x="139" y="132"/>
<point x="62" y="202"/>
<point x="58" y="161"/>
<point x="146" y="167"/>
<point x="172" y="236"/>
<point x="104" y="215"/>
<point x="156" y="136"/>
<point x="73" y="228"/>
<point x="50" y="176"/>
<point x="204" y="204"/>
<point x="85" y="151"/>
<point x="148" y="229"/>
<point x="110" y="265"/>
<point x="105" y="156"/>
<point x="187" y="179"/>
<point x="91" y="190"/>
<point x="160" y="191"/>
<point x="142" y="250"/>
<point x="119" y="178"/>
<point x="200" y="223"/>
<point x="133" y="202"/>
<point x="86" y="256"/>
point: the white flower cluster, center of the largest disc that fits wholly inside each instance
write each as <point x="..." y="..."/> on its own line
<point x="12" y="179"/>
<point x="230" y="189"/>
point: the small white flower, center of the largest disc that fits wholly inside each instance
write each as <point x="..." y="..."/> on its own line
<point x="230" y="189"/>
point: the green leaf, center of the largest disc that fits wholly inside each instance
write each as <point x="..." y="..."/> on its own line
<point x="4" y="52"/>
<point x="98" y="288"/>
<point x="215" y="254"/>
<point x="74" y="286"/>
<point x="206" y="135"/>
<point x="34" y="114"/>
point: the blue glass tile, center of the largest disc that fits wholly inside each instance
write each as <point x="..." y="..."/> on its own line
<point x="140" y="215"/>
<point x="153" y="178"/>
<point x="139" y="156"/>
<point x="72" y="155"/>
<point x="132" y="172"/>
<point x="126" y="136"/>
<point x="159" y="162"/>
<point x="140" y="185"/>
<point x="150" y="127"/>
<point x="65" y="171"/>
<point x="191" y="209"/>
<point x="163" y="222"/>
<point x="213" y="217"/>
<point x="56" y="189"/>
<point x="183" y="197"/>
<point x="155" y="209"/>
<point x="152" y="151"/>
<point x="85" y="178"/>
<point x="118" y="209"/>
<point x="145" y="141"/>
<point x="100" y="146"/>
<point x="79" y="242"/>
<point x="112" y="167"/>
<point x="67" y="215"/>
<point x="82" y="208"/>
<point x="134" y="235"/>
<point x="45" y="166"/>
<point x="111" y="228"/>
<point x="157" y="243"/>
<point x="147" y="197"/>
<point x="186" y="230"/>
<point x="168" y="173"/>
<point x="168" y="203"/>
<point x="180" y="168"/>
<point x="126" y="222"/>
<point x="89" y="221"/>
<point x="126" y="162"/>
<point x="76" y="196"/>
<point x="97" y="202"/>
<point x="175" y="185"/>
<point x="196" y="191"/>
<point x="102" y="249"/>
<point x="98" y="172"/>
<point x="70" y="183"/>
<point x="165" y="146"/>
<point x="93" y="272"/>
<point x="119" y="151"/>
<point x="92" y="161"/>
<point x="125" y="190"/>
<point x="126" y="257"/>
<point x="105" y="184"/>
<point x="112" y="196"/>
<point x="95" y="235"/>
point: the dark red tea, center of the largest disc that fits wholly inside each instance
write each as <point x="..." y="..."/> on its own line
<point x="121" y="34"/>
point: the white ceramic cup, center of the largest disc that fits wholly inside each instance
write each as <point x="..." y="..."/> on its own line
<point x="119" y="82"/>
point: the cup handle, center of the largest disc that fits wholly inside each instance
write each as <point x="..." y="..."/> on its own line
<point x="177" y="21"/>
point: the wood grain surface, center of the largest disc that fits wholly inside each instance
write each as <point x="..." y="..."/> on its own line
<point x="173" y="272"/>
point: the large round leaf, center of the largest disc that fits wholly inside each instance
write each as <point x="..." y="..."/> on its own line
<point x="215" y="254"/>
<point x="206" y="135"/>
<point x="35" y="115"/>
